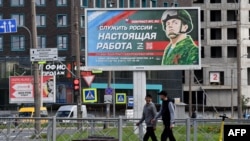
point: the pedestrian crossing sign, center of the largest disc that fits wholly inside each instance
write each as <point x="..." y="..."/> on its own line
<point x="89" y="95"/>
<point x="121" y="98"/>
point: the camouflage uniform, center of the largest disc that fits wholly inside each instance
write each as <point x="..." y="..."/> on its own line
<point x="184" y="53"/>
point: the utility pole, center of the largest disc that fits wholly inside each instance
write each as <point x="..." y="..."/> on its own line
<point x="232" y="92"/>
<point x="239" y="96"/>
<point x="77" y="46"/>
<point x="190" y="93"/>
<point x="108" y="104"/>
<point x="37" y="94"/>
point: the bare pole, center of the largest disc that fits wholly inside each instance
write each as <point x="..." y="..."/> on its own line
<point x="190" y="93"/>
<point x="37" y="94"/>
<point x="239" y="96"/>
<point x="232" y="91"/>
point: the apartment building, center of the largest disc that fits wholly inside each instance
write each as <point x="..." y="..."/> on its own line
<point x="225" y="53"/>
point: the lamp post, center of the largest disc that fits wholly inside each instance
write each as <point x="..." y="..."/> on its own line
<point x="27" y="29"/>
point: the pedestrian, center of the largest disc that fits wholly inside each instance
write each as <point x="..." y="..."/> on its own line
<point x="168" y="117"/>
<point x="149" y="112"/>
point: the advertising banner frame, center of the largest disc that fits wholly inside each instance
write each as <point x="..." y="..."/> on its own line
<point x="21" y="89"/>
<point x="112" y="43"/>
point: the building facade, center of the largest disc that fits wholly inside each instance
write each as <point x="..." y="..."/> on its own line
<point x="225" y="53"/>
<point x="55" y="29"/>
<point x="215" y="85"/>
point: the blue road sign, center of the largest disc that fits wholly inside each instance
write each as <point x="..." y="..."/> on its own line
<point x="130" y="101"/>
<point x="8" y="26"/>
<point x="109" y="91"/>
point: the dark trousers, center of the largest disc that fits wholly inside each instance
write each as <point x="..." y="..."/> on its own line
<point x="167" y="133"/>
<point x="150" y="133"/>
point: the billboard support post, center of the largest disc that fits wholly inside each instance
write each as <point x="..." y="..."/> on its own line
<point x="139" y="91"/>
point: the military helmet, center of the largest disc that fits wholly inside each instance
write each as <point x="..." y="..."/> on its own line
<point x="181" y="14"/>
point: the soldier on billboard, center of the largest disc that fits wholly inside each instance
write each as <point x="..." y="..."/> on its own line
<point x="181" y="49"/>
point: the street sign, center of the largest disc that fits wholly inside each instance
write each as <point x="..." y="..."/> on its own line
<point x="44" y="54"/>
<point x="89" y="95"/>
<point x="89" y="79"/>
<point x="107" y="98"/>
<point x="8" y="26"/>
<point x="121" y="98"/>
<point x="109" y="91"/>
<point x="130" y="101"/>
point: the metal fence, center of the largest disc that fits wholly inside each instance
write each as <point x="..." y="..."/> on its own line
<point x="121" y="129"/>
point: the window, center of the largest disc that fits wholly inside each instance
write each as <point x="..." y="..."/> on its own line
<point x="61" y="2"/>
<point x="84" y="3"/>
<point x="215" y="15"/>
<point x="216" y="52"/>
<point x="215" y="1"/>
<point x="248" y="52"/>
<point x="231" y="15"/>
<point x="62" y="42"/>
<point x="131" y="3"/>
<point x="232" y="1"/>
<point x="61" y="20"/>
<point x="248" y="16"/>
<point x="165" y="4"/>
<point x="215" y="34"/>
<point x="17" y="43"/>
<point x="248" y="76"/>
<point x="83" y="43"/>
<point x="231" y="33"/>
<point x="174" y="4"/>
<point x="216" y="77"/>
<point x="40" y="2"/>
<point x="121" y="3"/>
<point x="154" y="3"/>
<point x="1" y="2"/>
<point x="198" y="76"/>
<point x="40" y="20"/>
<point x="41" y="41"/>
<point x="249" y="34"/>
<point x="82" y="21"/>
<point x="202" y="52"/>
<point x="1" y="43"/>
<point x="183" y="76"/>
<point x="198" y="1"/>
<point x="202" y="15"/>
<point x="231" y="52"/>
<point x="202" y="33"/>
<point x="19" y="19"/>
<point x="144" y="3"/>
<point x="98" y="3"/>
<point x="17" y="2"/>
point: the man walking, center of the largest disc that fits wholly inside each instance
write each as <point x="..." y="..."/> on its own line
<point x="149" y="112"/>
<point x="167" y="113"/>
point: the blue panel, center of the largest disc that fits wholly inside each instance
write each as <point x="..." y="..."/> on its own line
<point x="8" y="26"/>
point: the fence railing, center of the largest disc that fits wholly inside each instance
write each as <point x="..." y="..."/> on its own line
<point x="121" y="129"/>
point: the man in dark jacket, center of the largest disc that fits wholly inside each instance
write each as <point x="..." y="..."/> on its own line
<point x="149" y="112"/>
<point x="167" y="114"/>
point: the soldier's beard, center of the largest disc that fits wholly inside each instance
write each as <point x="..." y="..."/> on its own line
<point x="172" y="35"/>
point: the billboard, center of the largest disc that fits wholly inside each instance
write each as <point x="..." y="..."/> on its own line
<point x="143" y="39"/>
<point x="21" y="89"/>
